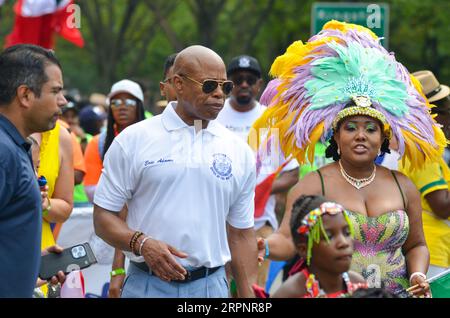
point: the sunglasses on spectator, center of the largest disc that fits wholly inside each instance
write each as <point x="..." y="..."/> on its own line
<point x="210" y="85"/>
<point x="250" y="79"/>
<point x="127" y="102"/>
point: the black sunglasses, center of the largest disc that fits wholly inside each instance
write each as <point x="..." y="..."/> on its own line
<point x="210" y="85"/>
<point x="250" y="79"/>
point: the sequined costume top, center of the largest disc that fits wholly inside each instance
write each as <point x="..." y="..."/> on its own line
<point x="378" y="247"/>
<point x="377" y="252"/>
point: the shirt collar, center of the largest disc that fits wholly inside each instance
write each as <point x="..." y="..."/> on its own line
<point x="11" y="130"/>
<point x="172" y="121"/>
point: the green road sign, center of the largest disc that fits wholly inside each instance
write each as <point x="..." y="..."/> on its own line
<point x="374" y="16"/>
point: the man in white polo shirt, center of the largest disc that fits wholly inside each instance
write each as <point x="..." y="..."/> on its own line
<point x="189" y="186"/>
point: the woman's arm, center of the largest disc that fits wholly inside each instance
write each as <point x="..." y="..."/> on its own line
<point x="281" y="246"/>
<point x="415" y="248"/>
<point x="62" y="198"/>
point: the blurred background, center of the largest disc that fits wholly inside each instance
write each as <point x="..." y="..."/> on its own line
<point x="132" y="38"/>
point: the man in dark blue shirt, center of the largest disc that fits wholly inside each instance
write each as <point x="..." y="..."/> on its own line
<point x="30" y="101"/>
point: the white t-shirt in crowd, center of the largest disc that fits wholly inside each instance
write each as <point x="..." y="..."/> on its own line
<point x="390" y="160"/>
<point x="181" y="187"/>
<point x="240" y="123"/>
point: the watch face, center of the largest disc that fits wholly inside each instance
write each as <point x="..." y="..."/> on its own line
<point x="78" y="251"/>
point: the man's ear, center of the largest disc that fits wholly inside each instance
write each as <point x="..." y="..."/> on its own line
<point x="161" y="89"/>
<point x="177" y="83"/>
<point x="25" y="96"/>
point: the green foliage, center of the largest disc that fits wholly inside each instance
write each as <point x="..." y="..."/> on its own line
<point x="116" y="49"/>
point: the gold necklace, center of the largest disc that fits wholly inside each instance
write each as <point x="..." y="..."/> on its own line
<point x="358" y="183"/>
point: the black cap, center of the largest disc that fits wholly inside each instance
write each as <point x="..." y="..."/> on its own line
<point x="71" y="105"/>
<point x="244" y="62"/>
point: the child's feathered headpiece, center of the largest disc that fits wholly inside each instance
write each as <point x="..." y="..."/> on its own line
<point x="344" y="63"/>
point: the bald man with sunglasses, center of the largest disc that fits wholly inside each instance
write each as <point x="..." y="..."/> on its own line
<point x="189" y="186"/>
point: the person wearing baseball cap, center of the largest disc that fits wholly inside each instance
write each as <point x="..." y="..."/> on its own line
<point x="126" y="107"/>
<point x="245" y="72"/>
<point x="433" y="180"/>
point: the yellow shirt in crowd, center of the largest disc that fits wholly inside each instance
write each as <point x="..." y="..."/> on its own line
<point x="434" y="176"/>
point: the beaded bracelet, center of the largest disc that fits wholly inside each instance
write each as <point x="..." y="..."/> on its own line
<point x="266" y="247"/>
<point x="133" y="240"/>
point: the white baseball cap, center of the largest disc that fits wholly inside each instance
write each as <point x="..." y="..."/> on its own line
<point x="127" y="86"/>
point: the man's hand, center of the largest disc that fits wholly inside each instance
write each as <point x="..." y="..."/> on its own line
<point x="158" y="256"/>
<point x="60" y="278"/>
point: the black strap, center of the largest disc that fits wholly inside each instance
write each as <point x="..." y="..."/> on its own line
<point x="400" y="189"/>
<point x="321" y="182"/>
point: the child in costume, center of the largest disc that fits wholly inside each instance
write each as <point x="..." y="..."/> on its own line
<point x="322" y="234"/>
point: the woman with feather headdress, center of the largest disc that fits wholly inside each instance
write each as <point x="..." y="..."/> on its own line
<point x="343" y="86"/>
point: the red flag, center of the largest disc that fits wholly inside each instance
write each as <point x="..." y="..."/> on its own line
<point x="264" y="189"/>
<point x="37" y="21"/>
<point x="62" y="27"/>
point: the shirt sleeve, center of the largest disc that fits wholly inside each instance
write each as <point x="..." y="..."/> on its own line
<point x="115" y="186"/>
<point x="429" y="179"/>
<point x="242" y="211"/>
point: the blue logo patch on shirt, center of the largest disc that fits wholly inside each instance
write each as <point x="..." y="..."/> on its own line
<point x="221" y="166"/>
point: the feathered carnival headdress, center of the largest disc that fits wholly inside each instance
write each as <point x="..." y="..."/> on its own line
<point x="314" y="81"/>
<point x="312" y="224"/>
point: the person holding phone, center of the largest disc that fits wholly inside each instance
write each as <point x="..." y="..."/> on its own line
<point x="30" y="101"/>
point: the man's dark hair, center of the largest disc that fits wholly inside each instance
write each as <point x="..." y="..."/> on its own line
<point x="24" y="64"/>
<point x="168" y="64"/>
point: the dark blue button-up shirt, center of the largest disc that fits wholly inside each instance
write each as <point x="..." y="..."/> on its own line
<point x="20" y="215"/>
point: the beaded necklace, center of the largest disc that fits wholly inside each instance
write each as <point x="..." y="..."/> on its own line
<point x="358" y="183"/>
<point x="313" y="289"/>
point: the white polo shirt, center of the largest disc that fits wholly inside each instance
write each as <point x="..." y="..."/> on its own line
<point x="180" y="187"/>
<point x="240" y="123"/>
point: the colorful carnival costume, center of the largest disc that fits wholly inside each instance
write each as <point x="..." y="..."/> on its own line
<point x="344" y="71"/>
